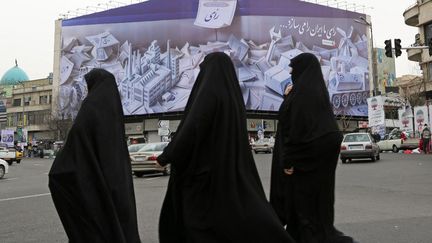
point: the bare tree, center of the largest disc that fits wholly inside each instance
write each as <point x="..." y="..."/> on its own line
<point x="415" y="95"/>
<point x="60" y="126"/>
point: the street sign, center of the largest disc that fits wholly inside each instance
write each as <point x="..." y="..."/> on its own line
<point x="164" y="123"/>
<point x="163" y="131"/>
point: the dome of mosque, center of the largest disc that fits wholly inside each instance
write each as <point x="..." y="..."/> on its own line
<point x="14" y="76"/>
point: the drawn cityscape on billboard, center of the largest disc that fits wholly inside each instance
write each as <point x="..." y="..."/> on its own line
<point x="156" y="75"/>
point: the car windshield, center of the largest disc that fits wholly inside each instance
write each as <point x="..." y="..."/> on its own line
<point x="264" y="140"/>
<point x="135" y="147"/>
<point x="153" y="147"/>
<point x="356" y="138"/>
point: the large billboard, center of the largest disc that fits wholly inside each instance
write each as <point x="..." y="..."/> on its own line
<point x="154" y="50"/>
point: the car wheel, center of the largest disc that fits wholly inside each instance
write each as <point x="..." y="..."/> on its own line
<point x="255" y="151"/>
<point x="138" y="173"/>
<point x="344" y="161"/>
<point x="9" y="162"/>
<point x="378" y="157"/>
<point x="373" y="158"/>
<point x="18" y="161"/>
<point x="167" y="171"/>
<point x="2" y="171"/>
<point x="395" y="149"/>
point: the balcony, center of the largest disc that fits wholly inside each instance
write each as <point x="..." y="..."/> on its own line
<point x="414" y="55"/>
<point x="411" y="15"/>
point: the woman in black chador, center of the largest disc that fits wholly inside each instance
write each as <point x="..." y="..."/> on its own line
<point x="305" y="157"/>
<point x="90" y="180"/>
<point x="214" y="194"/>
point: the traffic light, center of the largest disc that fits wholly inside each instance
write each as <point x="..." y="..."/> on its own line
<point x="388" y="48"/>
<point x="398" y="47"/>
<point x="430" y="46"/>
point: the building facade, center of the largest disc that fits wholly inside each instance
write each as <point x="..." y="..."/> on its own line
<point x="420" y="15"/>
<point x="30" y="109"/>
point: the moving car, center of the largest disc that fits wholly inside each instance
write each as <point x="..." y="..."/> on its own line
<point x="265" y="145"/>
<point x="4" y="168"/>
<point x="359" y="146"/>
<point x="144" y="160"/>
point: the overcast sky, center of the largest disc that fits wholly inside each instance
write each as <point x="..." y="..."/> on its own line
<point x="27" y="31"/>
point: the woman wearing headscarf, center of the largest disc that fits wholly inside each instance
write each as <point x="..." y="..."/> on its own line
<point x="215" y="194"/>
<point x="91" y="180"/>
<point x="305" y="157"/>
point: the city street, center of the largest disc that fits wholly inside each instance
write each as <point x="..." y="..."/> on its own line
<point x="389" y="201"/>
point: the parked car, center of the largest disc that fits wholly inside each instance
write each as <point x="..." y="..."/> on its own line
<point x="265" y="145"/>
<point x="144" y="160"/>
<point x="4" y="168"/>
<point x="394" y="142"/>
<point x="359" y="146"/>
<point x="10" y="154"/>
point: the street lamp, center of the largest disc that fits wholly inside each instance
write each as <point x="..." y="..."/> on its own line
<point x="362" y="20"/>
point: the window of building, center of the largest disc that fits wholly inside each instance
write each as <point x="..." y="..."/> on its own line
<point x="429" y="73"/>
<point x="27" y="101"/>
<point x="16" y="102"/>
<point x="391" y="113"/>
<point x="427" y="32"/>
<point x="43" y="100"/>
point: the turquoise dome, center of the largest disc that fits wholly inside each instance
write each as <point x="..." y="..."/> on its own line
<point x="14" y="76"/>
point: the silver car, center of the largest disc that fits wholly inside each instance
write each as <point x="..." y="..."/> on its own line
<point x="144" y="160"/>
<point x="359" y="146"/>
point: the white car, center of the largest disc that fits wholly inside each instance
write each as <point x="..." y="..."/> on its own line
<point x="4" y="168"/>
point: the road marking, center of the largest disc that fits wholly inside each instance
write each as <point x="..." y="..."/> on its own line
<point x="153" y="178"/>
<point x="24" y="197"/>
<point x="10" y="179"/>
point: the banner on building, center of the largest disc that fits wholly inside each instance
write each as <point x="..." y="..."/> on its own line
<point x="376" y="111"/>
<point x="421" y="117"/>
<point x="406" y="120"/>
<point x="7" y="137"/>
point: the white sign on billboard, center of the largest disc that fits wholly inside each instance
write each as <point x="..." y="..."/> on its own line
<point x="215" y="14"/>
<point x="376" y="111"/>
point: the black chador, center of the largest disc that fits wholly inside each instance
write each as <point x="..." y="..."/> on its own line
<point x="214" y="193"/>
<point x="90" y="180"/>
<point x="308" y="141"/>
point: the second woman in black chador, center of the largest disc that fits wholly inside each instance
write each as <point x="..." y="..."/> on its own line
<point x="214" y="193"/>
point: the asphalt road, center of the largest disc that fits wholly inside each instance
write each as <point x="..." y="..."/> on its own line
<point x="389" y="201"/>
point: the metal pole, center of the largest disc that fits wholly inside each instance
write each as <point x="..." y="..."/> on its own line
<point x="374" y="64"/>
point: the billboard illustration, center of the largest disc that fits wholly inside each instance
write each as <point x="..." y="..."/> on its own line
<point x="155" y="56"/>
